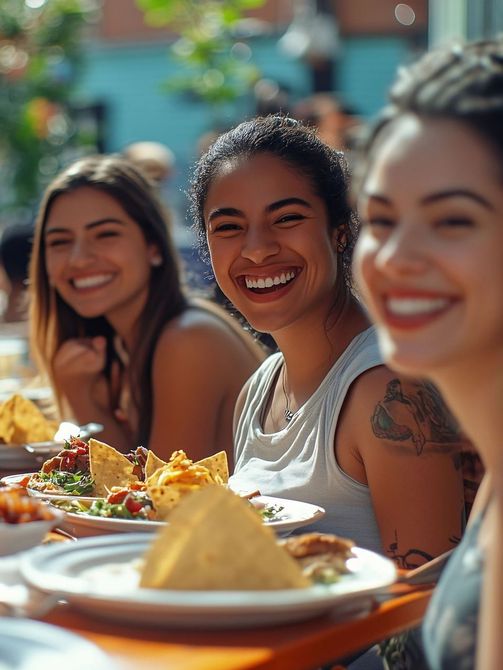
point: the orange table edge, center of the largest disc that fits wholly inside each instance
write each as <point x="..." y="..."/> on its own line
<point x="299" y="646"/>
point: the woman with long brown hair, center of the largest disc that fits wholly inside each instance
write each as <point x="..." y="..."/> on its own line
<point x="111" y="324"/>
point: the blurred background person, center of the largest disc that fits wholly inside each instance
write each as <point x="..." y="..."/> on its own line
<point x="336" y="122"/>
<point x="15" y="250"/>
<point x="158" y="163"/>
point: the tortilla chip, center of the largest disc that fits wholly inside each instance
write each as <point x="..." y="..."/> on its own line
<point x="22" y="422"/>
<point x="166" y="498"/>
<point x="218" y="467"/>
<point x="181" y="470"/>
<point x="214" y="541"/>
<point x="173" y="480"/>
<point x="108" y="468"/>
<point x="152" y="464"/>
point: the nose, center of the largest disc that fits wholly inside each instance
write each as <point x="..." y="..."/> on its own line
<point x="260" y="244"/>
<point x="402" y="253"/>
<point x="81" y="252"/>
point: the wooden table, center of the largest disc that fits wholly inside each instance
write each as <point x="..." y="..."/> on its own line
<point x="299" y="646"/>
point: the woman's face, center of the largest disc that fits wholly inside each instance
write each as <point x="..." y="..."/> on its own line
<point x="269" y="242"/>
<point x="429" y="259"/>
<point x="96" y="256"/>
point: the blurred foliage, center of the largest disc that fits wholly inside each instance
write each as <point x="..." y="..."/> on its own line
<point x="40" y="58"/>
<point x="211" y="47"/>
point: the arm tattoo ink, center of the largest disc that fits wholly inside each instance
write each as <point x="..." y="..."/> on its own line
<point x="418" y="415"/>
<point x="410" y="559"/>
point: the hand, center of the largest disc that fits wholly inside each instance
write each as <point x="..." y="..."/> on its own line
<point x="80" y="360"/>
<point x="78" y="372"/>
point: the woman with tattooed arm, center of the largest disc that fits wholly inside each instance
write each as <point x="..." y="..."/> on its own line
<point x="323" y="420"/>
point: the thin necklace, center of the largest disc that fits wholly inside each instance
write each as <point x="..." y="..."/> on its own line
<point x="287" y="412"/>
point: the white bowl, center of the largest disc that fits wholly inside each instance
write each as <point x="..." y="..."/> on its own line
<point x="15" y="537"/>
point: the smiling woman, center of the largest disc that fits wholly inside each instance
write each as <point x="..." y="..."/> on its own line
<point x="430" y="266"/>
<point x="111" y="324"/>
<point x="322" y="421"/>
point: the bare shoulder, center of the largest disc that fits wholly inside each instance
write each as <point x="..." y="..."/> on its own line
<point x="197" y="332"/>
<point x="410" y="413"/>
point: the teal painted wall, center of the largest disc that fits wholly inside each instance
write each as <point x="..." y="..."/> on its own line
<point x="128" y="80"/>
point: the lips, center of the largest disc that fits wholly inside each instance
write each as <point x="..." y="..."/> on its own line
<point x="414" y="311"/>
<point x="91" y="281"/>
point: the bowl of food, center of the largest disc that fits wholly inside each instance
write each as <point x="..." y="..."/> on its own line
<point x="24" y="520"/>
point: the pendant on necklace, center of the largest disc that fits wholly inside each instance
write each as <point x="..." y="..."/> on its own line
<point x="288" y="415"/>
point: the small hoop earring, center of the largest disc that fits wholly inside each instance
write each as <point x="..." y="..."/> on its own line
<point x="340" y="247"/>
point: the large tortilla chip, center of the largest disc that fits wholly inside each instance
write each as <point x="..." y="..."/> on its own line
<point x="22" y="422"/>
<point x="218" y="467"/>
<point x="214" y="541"/>
<point x="166" y="498"/>
<point x="152" y="464"/>
<point x="108" y="468"/>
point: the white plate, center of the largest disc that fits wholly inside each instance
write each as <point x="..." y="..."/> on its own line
<point x="13" y="480"/>
<point x="97" y="575"/>
<point x="293" y="515"/>
<point x="81" y="525"/>
<point x="32" y="645"/>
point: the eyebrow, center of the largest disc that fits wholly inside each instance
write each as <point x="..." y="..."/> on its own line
<point x="458" y="193"/>
<point x="88" y="226"/>
<point x="441" y="195"/>
<point x="273" y="207"/>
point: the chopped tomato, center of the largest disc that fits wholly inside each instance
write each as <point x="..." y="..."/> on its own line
<point x="118" y="496"/>
<point x="132" y="505"/>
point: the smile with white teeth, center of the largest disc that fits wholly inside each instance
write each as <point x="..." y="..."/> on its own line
<point x="269" y="282"/>
<point x="415" y="306"/>
<point x="92" y="282"/>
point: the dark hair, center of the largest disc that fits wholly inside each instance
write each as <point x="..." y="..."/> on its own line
<point x="53" y="321"/>
<point x="299" y="147"/>
<point x="460" y="82"/>
<point x="15" y="250"/>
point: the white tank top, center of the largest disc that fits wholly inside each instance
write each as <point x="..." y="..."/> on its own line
<point x="299" y="462"/>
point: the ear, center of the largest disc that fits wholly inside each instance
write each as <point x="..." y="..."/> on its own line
<point x="339" y="238"/>
<point x="154" y="255"/>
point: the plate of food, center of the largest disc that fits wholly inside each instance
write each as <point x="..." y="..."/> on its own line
<point x="93" y="470"/>
<point x="27" y="436"/>
<point x="214" y="565"/>
<point x="123" y="512"/>
<point x="104" y="491"/>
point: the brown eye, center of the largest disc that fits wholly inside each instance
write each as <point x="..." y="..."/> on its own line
<point x="52" y="243"/>
<point x="456" y="222"/>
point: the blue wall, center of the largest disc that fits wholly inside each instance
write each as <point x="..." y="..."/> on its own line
<point x="128" y="79"/>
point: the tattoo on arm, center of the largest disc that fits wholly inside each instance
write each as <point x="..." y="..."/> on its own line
<point x="412" y="558"/>
<point x="418" y="415"/>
